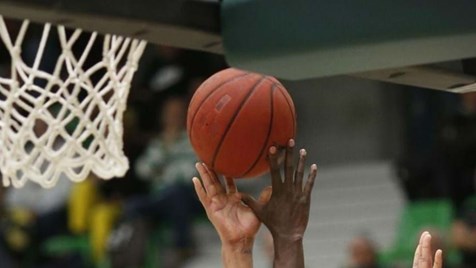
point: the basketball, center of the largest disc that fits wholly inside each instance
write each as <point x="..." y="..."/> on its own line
<point x="235" y="116"/>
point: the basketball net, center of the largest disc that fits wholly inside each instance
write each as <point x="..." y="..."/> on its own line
<point x="64" y="123"/>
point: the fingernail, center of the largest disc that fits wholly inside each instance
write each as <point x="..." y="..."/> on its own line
<point x="291" y="143"/>
<point x="303" y="152"/>
<point x="314" y="167"/>
<point x="197" y="164"/>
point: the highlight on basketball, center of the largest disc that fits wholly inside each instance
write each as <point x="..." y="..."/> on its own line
<point x="237" y="134"/>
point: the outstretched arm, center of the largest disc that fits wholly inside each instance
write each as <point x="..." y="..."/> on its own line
<point x="287" y="213"/>
<point x="235" y="223"/>
<point x="423" y="254"/>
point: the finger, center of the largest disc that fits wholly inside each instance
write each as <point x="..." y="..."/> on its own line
<point x="265" y="195"/>
<point x="289" y="165"/>
<point x="206" y="179"/>
<point x="422" y="237"/>
<point x="230" y="185"/>
<point x="300" y="170"/>
<point x="425" y="258"/>
<point x="252" y="203"/>
<point x="202" y="195"/>
<point x="416" y="257"/>
<point x="418" y="253"/>
<point x="214" y="179"/>
<point x="438" y="259"/>
<point x="420" y="242"/>
<point x="310" y="180"/>
<point x="276" y="181"/>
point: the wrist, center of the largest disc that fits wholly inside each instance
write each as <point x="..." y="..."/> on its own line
<point x="288" y="251"/>
<point x="244" y="245"/>
<point x="237" y="254"/>
<point x="283" y="244"/>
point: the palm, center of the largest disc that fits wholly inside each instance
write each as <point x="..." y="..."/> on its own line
<point x="287" y="212"/>
<point x="230" y="216"/>
<point x="233" y="220"/>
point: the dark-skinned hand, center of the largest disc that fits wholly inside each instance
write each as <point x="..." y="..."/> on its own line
<point x="287" y="213"/>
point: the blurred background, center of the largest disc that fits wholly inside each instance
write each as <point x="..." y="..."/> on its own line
<point x="393" y="161"/>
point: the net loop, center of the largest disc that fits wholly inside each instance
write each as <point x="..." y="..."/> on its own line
<point x="65" y="121"/>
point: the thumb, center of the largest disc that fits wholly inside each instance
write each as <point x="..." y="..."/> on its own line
<point x="251" y="203"/>
<point x="265" y="195"/>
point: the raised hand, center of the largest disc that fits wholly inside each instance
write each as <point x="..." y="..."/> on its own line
<point x="235" y="223"/>
<point x="423" y="254"/>
<point x="287" y="213"/>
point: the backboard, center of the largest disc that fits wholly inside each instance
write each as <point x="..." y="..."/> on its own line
<point x="180" y="23"/>
<point x="375" y="39"/>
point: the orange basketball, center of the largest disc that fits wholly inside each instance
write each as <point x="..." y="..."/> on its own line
<point x="235" y="116"/>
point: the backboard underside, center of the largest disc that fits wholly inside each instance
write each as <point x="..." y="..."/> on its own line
<point x="179" y="23"/>
<point x="378" y="39"/>
<point x="309" y="38"/>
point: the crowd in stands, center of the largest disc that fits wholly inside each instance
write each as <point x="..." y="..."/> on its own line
<point x="437" y="174"/>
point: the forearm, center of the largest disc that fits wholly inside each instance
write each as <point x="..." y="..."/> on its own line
<point x="288" y="253"/>
<point x="238" y="255"/>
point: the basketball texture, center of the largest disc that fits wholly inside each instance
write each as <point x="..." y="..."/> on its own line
<point x="233" y="119"/>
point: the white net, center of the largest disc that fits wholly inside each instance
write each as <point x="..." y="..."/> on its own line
<point x="66" y="121"/>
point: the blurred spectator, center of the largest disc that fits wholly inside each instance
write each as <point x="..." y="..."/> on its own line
<point x="34" y="214"/>
<point x="440" y="163"/>
<point x="418" y="167"/>
<point x="164" y="71"/>
<point x="168" y="164"/>
<point x="90" y="212"/>
<point x="167" y="158"/>
<point x="362" y="253"/>
<point x="419" y="177"/>
<point x="458" y="149"/>
<point x="135" y="141"/>
<point x="47" y="206"/>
